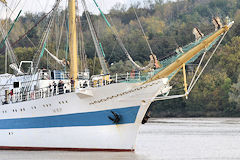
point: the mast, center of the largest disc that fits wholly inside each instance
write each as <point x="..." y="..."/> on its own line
<point x="73" y="41"/>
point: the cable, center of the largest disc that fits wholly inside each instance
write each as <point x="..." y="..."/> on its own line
<point x="12" y="11"/>
<point x="145" y="37"/>
<point x="35" y="25"/>
<point x="198" y="67"/>
<point x="82" y="52"/>
<point x="117" y="37"/>
<point x="98" y="45"/>
<point x="190" y="89"/>
<point x="42" y="45"/>
<point x="61" y="31"/>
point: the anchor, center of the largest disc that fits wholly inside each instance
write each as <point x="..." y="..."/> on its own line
<point x="116" y="118"/>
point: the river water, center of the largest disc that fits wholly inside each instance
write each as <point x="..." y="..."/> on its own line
<point x="163" y="139"/>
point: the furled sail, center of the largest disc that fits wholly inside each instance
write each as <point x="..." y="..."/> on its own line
<point x="61" y="62"/>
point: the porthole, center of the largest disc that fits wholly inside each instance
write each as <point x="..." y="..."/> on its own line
<point x="66" y="101"/>
<point x="43" y="105"/>
<point x="62" y="102"/>
<point x="59" y="102"/>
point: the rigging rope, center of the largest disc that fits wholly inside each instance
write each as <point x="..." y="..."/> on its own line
<point x="82" y="51"/>
<point x="12" y="11"/>
<point x="117" y="37"/>
<point x="67" y="45"/>
<point x="145" y="37"/>
<point x="198" y="67"/>
<point x="35" y="25"/>
<point x="11" y="54"/>
<point x="193" y="82"/>
<point x="6" y="82"/>
<point x="43" y="45"/>
<point x="3" y="41"/>
<point x="190" y="89"/>
<point x="45" y="37"/>
<point x="61" y="31"/>
<point x="9" y="50"/>
<point x="95" y="40"/>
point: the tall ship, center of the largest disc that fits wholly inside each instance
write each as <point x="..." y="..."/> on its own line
<point x="45" y="109"/>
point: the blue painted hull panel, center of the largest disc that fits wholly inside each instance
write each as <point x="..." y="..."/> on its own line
<point x="98" y="118"/>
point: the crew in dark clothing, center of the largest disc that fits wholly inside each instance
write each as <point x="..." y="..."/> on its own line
<point x="72" y="84"/>
<point x="85" y="84"/>
<point x="60" y="87"/>
<point x="54" y="88"/>
<point x="50" y="89"/>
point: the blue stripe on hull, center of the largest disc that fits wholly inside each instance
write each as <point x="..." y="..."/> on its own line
<point x="99" y="118"/>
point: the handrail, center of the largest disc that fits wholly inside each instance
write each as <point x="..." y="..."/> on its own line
<point x="34" y="94"/>
<point x="50" y="91"/>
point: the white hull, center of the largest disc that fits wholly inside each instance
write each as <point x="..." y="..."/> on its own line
<point x="114" y="137"/>
<point x="79" y="120"/>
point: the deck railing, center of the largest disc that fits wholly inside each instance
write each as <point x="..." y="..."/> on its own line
<point x="33" y="95"/>
<point x="20" y="96"/>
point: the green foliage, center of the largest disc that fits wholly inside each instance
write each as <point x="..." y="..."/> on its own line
<point x="234" y="95"/>
<point x="121" y="67"/>
<point x="230" y="58"/>
<point x="24" y="54"/>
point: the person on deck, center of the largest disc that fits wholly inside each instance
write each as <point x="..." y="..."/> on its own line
<point x="60" y="87"/>
<point x="54" y="88"/>
<point x="50" y="89"/>
<point x="72" y="85"/>
<point x="11" y="94"/>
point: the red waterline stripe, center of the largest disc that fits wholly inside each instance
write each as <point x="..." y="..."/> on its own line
<point x="64" y="149"/>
